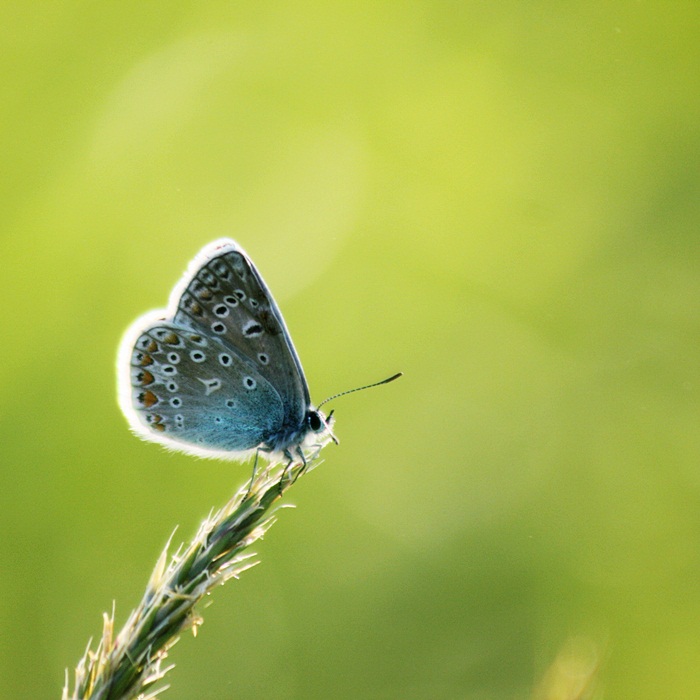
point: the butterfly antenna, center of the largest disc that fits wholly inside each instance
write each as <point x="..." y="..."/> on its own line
<point x="359" y="388"/>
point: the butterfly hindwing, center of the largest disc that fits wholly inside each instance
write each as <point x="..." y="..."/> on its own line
<point x="191" y="389"/>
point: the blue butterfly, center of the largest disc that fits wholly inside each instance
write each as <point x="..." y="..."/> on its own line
<point x="216" y="373"/>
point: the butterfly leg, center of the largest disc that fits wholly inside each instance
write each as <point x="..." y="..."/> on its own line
<point x="304" y="463"/>
<point x="287" y="474"/>
<point x="252" y="476"/>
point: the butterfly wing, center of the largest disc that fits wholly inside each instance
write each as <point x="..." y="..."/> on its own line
<point x="216" y="373"/>
<point x="192" y="392"/>
<point x="223" y="296"/>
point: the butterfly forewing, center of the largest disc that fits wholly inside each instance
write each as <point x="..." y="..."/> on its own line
<point x="226" y="299"/>
<point x="194" y="390"/>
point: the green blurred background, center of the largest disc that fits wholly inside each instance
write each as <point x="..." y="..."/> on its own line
<point x="502" y="200"/>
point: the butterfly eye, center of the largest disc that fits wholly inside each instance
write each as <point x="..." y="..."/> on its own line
<point x="314" y="421"/>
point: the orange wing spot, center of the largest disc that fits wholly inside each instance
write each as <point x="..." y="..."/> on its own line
<point x="145" y="378"/>
<point x="171" y="339"/>
<point x="144" y="360"/>
<point x="157" y="422"/>
<point x="205" y="294"/>
<point x="148" y="398"/>
<point x="152" y="346"/>
<point x="192" y="305"/>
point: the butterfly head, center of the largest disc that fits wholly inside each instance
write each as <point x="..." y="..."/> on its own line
<point x="316" y="422"/>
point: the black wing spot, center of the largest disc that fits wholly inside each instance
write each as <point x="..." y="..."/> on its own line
<point x="249" y="383"/>
<point x="252" y="329"/>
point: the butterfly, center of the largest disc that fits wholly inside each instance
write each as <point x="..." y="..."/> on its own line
<point x="216" y="373"/>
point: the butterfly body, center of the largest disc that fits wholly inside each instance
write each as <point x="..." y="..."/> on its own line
<point x="216" y="373"/>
